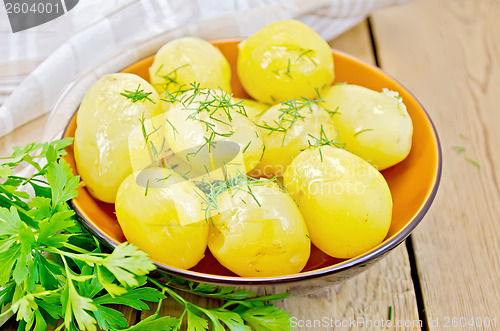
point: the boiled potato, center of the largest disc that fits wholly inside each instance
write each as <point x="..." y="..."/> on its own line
<point x="374" y="126"/>
<point x="289" y="128"/>
<point x="202" y="118"/>
<point x="283" y="61"/>
<point x="253" y="108"/>
<point x="263" y="239"/>
<point x="104" y="121"/>
<point x="188" y="60"/>
<point x="345" y="201"/>
<point x="150" y="215"/>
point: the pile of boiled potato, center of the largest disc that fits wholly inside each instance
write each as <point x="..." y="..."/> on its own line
<point x="301" y="160"/>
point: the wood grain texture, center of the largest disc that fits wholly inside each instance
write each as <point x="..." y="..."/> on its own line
<point x="23" y="135"/>
<point x="448" y="53"/>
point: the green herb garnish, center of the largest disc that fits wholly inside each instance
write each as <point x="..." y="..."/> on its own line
<point x="137" y="95"/>
<point x="171" y="77"/>
<point x="323" y="140"/>
<point x="291" y="111"/>
<point x="458" y="149"/>
<point x="474" y="163"/>
<point x="462" y="150"/>
<point x="52" y="269"/>
<point x="361" y="131"/>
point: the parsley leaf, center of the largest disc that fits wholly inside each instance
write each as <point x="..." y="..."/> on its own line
<point x="52" y="268"/>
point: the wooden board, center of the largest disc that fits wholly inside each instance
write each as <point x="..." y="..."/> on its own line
<point x="448" y="53"/>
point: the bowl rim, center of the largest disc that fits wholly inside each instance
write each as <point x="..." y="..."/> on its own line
<point x="358" y="261"/>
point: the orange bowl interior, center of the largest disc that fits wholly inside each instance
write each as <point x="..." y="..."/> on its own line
<point x="412" y="182"/>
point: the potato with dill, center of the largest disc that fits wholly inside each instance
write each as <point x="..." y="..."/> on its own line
<point x="259" y="231"/>
<point x="375" y="126"/>
<point x="108" y="112"/>
<point x="289" y="128"/>
<point x="186" y="60"/>
<point x="203" y="118"/>
<point x="161" y="213"/>
<point x="283" y="61"/>
<point x="345" y="201"/>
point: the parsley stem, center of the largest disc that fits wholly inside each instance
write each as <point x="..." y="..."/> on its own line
<point x="85" y="257"/>
<point x="29" y="180"/>
<point x="59" y="327"/>
<point x="5" y="313"/>
<point x="75" y="248"/>
<point x="171" y="292"/>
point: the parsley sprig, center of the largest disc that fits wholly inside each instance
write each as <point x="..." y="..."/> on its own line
<point x="240" y="307"/>
<point x="52" y="269"/>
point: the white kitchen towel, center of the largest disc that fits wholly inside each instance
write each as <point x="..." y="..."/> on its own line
<point x="94" y="39"/>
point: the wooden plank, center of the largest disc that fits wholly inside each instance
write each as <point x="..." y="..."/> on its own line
<point x="447" y="52"/>
<point x="367" y="296"/>
<point x="23" y="135"/>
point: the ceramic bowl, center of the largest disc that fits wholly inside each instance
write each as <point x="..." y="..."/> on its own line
<point x="413" y="184"/>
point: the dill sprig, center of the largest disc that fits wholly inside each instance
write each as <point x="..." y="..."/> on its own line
<point x="361" y="131"/>
<point x="323" y="141"/>
<point x="220" y="108"/>
<point x="170" y="78"/>
<point x="291" y="111"/>
<point x="137" y="95"/>
<point x="458" y="149"/>
<point x="240" y="182"/>
<point x="308" y="53"/>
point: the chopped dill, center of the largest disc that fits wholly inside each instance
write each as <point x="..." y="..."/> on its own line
<point x="171" y="77"/>
<point x="474" y="163"/>
<point x="458" y="149"/>
<point x="287" y="72"/>
<point x="220" y="108"/>
<point x="309" y="53"/>
<point x="263" y="151"/>
<point x="137" y="95"/>
<point x="143" y="129"/>
<point x="232" y="185"/>
<point x="306" y="52"/>
<point x="324" y="141"/>
<point x="164" y="178"/>
<point x="462" y="150"/>
<point x="246" y="147"/>
<point x="332" y="112"/>
<point x="174" y="130"/>
<point x="291" y="112"/>
<point x="361" y="131"/>
<point x="147" y="187"/>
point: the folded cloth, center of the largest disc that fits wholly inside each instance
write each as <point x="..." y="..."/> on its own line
<point x="135" y="29"/>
